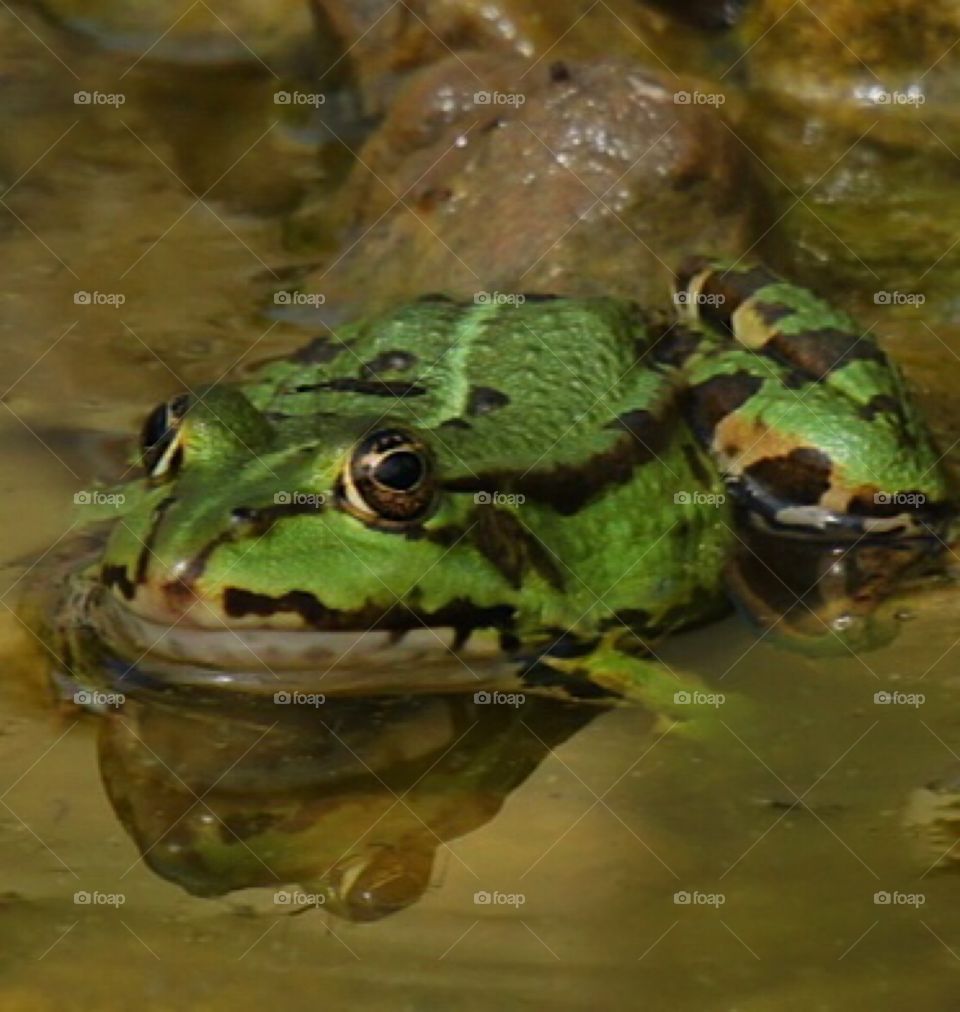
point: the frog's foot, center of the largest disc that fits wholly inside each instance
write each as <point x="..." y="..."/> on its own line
<point x="819" y="597"/>
<point x="615" y="669"/>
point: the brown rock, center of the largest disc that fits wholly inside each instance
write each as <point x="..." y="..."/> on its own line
<point x="572" y="178"/>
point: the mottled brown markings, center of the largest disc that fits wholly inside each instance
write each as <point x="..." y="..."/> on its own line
<point x="725" y="293"/>
<point x="372" y="388"/>
<point x="395" y="360"/>
<point x="800" y="477"/>
<point x="485" y="400"/>
<point x="741" y="442"/>
<point x="143" y="560"/>
<point x="509" y="546"/>
<point x="726" y="290"/>
<point x="710" y="402"/>
<point x="817" y="353"/>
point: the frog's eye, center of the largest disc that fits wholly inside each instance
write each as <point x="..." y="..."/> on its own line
<point x="161" y="445"/>
<point x="389" y="478"/>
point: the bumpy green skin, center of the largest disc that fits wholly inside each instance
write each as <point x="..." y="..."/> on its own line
<point x="569" y="368"/>
<point x="618" y="517"/>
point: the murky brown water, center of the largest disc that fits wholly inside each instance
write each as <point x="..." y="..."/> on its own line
<point x="780" y="830"/>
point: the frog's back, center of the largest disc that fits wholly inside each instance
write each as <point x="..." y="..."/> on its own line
<point x="509" y="382"/>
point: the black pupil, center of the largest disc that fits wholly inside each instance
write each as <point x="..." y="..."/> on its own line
<point x="401" y="470"/>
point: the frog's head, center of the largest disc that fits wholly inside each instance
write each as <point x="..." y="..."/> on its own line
<point x="246" y="523"/>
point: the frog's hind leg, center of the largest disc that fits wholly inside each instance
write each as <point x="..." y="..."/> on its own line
<point x="806" y="418"/>
<point x="783" y="321"/>
<point x="814" y="432"/>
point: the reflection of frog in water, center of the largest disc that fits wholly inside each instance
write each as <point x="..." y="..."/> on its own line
<point x="351" y="799"/>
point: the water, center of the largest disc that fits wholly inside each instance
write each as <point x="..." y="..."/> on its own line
<point x="532" y="856"/>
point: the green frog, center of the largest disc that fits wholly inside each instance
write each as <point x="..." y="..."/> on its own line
<point x="559" y="481"/>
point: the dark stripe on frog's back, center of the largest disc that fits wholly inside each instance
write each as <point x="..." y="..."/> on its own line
<point x="761" y="310"/>
<point x="568" y="488"/>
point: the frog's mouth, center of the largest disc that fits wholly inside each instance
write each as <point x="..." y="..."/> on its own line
<point x="340" y="651"/>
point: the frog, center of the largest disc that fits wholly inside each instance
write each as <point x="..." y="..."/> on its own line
<point x="558" y="481"/>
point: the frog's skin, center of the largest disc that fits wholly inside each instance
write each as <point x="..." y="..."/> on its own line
<point x="560" y="471"/>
